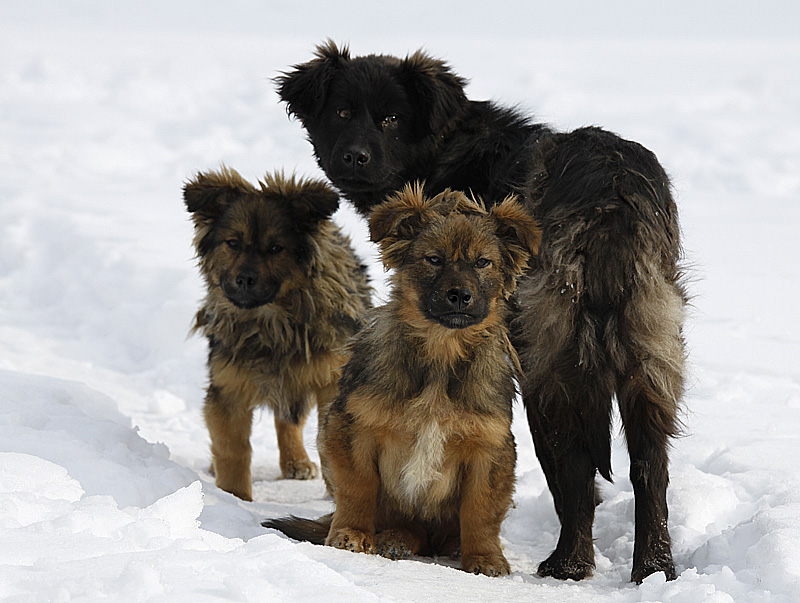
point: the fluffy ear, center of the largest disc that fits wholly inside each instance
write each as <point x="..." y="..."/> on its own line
<point x="209" y="194"/>
<point x="317" y="202"/>
<point x="394" y="223"/>
<point x="311" y="200"/>
<point x="304" y="89"/>
<point x="519" y="234"/>
<point x="434" y="90"/>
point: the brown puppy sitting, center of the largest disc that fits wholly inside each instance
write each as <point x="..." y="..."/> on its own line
<point x="285" y="291"/>
<point x="418" y="442"/>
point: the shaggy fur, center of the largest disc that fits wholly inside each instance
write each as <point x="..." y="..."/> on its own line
<point x="600" y="313"/>
<point x="285" y="291"/>
<point x="419" y="440"/>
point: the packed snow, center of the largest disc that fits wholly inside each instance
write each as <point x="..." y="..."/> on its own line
<point x="106" y="109"/>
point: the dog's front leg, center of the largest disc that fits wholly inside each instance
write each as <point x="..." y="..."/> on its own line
<point x="356" y="481"/>
<point x="485" y="501"/>
<point x="229" y="423"/>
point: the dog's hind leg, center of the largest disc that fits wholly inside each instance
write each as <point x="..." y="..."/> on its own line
<point x="547" y="459"/>
<point x="648" y="393"/>
<point x="325" y="398"/>
<point x="647" y="426"/>
<point x="294" y="461"/>
<point x="545" y="455"/>
<point x="401" y="541"/>
<point x="569" y="416"/>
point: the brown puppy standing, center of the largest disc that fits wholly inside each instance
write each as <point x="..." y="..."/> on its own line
<point x="285" y="291"/>
<point x="419" y="442"/>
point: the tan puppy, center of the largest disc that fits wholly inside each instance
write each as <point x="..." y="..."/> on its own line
<point x="285" y="291"/>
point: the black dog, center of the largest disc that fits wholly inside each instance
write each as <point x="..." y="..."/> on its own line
<point x="599" y="314"/>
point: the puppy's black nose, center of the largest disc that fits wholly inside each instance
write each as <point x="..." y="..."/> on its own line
<point x="459" y="299"/>
<point x="245" y="281"/>
<point x="356" y="157"/>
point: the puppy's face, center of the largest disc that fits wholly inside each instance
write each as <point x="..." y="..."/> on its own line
<point x="364" y="133"/>
<point x="253" y="255"/>
<point x="371" y="118"/>
<point x="454" y="260"/>
<point x="254" y="244"/>
<point x="452" y="272"/>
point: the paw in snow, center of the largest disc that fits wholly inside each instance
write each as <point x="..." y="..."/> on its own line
<point x="351" y="540"/>
<point x="493" y="564"/>
<point x="299" y="469"/>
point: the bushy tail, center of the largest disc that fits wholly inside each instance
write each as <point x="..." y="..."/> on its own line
<point x="314" y="531"/>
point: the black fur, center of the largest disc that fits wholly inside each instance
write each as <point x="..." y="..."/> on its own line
<point x="600" y="312"/>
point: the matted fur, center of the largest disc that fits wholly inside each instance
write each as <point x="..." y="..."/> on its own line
<point x="418" y="442"/>
<point x="602" y="309"/>
<point x="285" y="291"/>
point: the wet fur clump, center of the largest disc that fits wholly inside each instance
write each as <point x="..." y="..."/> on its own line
<point x="284" y="292"/>
<point x="599" y="314"/>
<point x="419" y="444"/>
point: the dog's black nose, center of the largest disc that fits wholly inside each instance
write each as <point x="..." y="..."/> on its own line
<point x="459" y="299"/>
<point x="356" y="157"/>
<point x="245" y="281"/>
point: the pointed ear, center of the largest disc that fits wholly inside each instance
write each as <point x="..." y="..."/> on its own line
<point x="210" y="193"/>
<point x="520" y="237"/>
<point x="304" y="90"/>
<point x="396" y="222"/>
<point x="311" y="200"/>
<point x="317" y="202"/>
<point x="434" y="90"/>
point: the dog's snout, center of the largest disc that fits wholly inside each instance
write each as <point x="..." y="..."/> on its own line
<point x="459" y="298"/>
<point x="245" y="281"/>
<point x="356" y="157"/>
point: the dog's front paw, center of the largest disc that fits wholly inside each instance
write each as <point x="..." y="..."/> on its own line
<point x="299" y="469"/>
<point x="351" y="540"/>
<point x="493" y="564"/>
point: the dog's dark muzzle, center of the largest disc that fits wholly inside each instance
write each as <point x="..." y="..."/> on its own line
<point x="356" y="158"/>
<point x="246" y="292"/>
<point x="357" y="163"/>
<point x="455" y="308"/>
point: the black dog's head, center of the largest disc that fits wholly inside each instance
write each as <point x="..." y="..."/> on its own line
<point x="373" y="119"/>
<point x="254" y="244"/>
<point x="454" y="260"/>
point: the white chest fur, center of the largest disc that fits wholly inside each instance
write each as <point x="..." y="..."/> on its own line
<point x="424" y="466"/>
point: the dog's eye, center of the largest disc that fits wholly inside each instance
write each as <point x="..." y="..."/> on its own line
<point x="275" y="249"/>
<point x="343" y="113"/>
<point x="234" y="244"/>
<point x="482" y="263"/>
<point x="434" y="260"/>
<point x="390" y="121"/>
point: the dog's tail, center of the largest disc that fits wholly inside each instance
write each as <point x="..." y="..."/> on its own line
<point x="314" y="531"/>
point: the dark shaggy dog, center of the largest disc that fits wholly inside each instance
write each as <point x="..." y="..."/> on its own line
<point x="601" y="313"/>
<point x="285" y="291"/>
<point x="419" y="442"/>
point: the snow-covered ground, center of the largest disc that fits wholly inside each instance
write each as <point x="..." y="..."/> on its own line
<point x="107" y="108"/>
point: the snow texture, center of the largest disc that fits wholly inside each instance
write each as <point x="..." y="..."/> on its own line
<point x="107" y="108"/>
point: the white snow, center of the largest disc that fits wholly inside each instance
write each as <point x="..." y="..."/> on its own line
<point x="107" y="108"/>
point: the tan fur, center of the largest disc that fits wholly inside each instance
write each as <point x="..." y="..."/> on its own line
<point x="419" y="442"/>
<point x="287" y="350"/>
